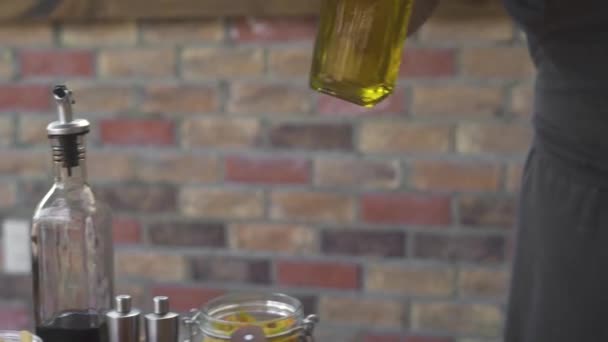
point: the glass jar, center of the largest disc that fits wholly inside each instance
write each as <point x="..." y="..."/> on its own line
<point x="18" y="336"/>
<point x="249" y="318"/>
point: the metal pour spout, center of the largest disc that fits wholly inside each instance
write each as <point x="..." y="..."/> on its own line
<point x="64" y="100"/>
<point x="67" y="133"/>
<point x="66" y="124"/>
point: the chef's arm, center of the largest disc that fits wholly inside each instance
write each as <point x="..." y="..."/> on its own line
<point x="421" y="12"/>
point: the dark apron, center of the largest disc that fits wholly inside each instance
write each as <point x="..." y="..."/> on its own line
<point x="559" y="287"/>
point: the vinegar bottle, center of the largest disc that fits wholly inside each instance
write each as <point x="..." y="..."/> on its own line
<point x="71" y="241"/>
<point x="359" y="47"/>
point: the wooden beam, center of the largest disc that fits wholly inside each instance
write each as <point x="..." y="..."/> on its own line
<point x="78" y="10"/>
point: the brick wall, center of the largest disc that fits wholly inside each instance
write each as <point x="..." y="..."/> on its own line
<point x="226" y="172"/>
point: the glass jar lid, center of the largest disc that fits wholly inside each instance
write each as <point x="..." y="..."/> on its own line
<point x="273" y="315"/>
<point x="18" y="336"/>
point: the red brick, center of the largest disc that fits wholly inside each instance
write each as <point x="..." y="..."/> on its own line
<point x="406" y="209"/>
<point x="151" y="265"/>
<point x="394" y="104"/>
<point x="458" y="318"/>
<point x="311" y="136"/>
<point x="185" y="298"/>
<point x="137" y="62"/>
<point x="510" y="248"/>
<point x="16" y="287"/>
<point x="14" y="317"/>
<point x="275" y="238"/>
<point x="428" y="63"/>
<point x="224" y="62"/>
<point x="216" y="131"/>
<point x="457" y="101"/>
<point x="363" y="243"/>
<point x="137" y="132"/>
<point x="484" y="211"/>
<point x="427" y="339"/>
<point x="268" y="98"/>
<point x="6" y="64"/>
<point x="382" y="338"/>
<point x="318" y="274"/>
<point x="25" y="97"/>
<point x="393" y="136"/>
<point x="312" y="206"/>
<point x="26" y="33"/>
<point x="493" y="138"/>
<point x="469" y="248"/>
<point x="56" y="63"/>
<point x="182" y="31"/>
<point x="177" y="167"/>
<point x="175" y="100"/>
<point x="290" y="62"/>
<point x="514" y="177"/>
<point x="187" y="234"/>
<point x="362" y="311"/>
<point x="522" y="100"/>
<point x="267" y="170"/>
<point x="99" y="33"/>
<point x="357" y="173"/>
<point x="123" y="166"/>
<point x="455" y="176"/>
<point x="126" y="231"/>
<point x="138" y="197"/>
<point x="7" y="129"/>
<point x="273" y="29"/>
<point x="502" y="62"/>
<point x="25" y="164"/>
<point x="100" y="97"/>
<point x="230" y="269"/>
<point x="451" y="24"/>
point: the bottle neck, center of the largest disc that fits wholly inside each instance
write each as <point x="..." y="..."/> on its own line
<point x="69" y="164"/>
<point x="73" y="176"/>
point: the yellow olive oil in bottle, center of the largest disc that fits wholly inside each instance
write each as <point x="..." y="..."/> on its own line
<point x="359" y="47"/>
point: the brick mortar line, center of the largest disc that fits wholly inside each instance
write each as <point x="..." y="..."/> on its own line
<point x="57" y="33"/>
<point x="179" y="61"/>
<point x="300" y="83"/>
<point x="139" y="32"/>
<point x="503" y="184"/>
<point x="224" y="95"/>
<point x="461" y="44"/>
<point x="151" y="152"/>
<point x="398" y="263"/>
<point x="320" y="292"/>
<point x="296" y="188"/>
<point x="317" y="227"/>
<point x="455" y="210"/>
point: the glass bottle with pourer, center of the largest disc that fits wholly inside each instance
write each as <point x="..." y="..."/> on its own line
<point x="71" y="241"/>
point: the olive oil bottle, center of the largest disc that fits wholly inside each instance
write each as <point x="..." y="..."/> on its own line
<point x="358" y="48"/>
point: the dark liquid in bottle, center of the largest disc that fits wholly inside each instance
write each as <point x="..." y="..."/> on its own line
<point x="74" y="327"/>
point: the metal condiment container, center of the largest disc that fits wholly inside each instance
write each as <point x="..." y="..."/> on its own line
<point x="250" y="318"/>
<point x="162" y="325"/>
<point x="123" y="321"/>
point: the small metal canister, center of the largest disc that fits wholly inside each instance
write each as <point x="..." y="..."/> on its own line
<point x="123" y="321"/>
<point x="162" y="325"/>
<point x="250" y="318"/>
